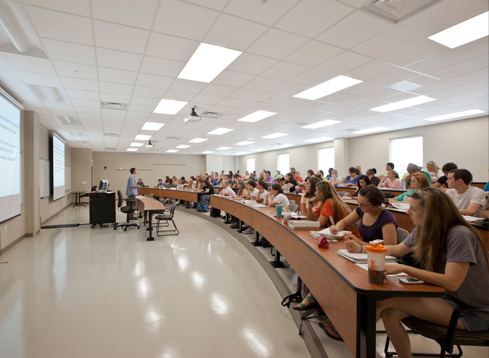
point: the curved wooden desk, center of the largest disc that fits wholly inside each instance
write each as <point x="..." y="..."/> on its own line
<point x="149" y="205"/>
<point x="339" y="286"/>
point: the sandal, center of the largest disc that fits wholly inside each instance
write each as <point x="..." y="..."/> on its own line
<point x="311" y="306"/>
<point x="328" y="327"/>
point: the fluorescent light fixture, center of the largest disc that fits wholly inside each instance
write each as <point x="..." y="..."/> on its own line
<point x="12" y="33"/>
<point x="411" y="102"/>
<point x="454" y="115"/>
<point x="172" y="151"/>
<point x="258" y="150"/>
<point x="207" y="152"/>
<point x="152" y="126"/>
<point x="68" y="119"/>
<point x="207" y="62"/>
<point x="326" y="88"/>
<point x="319" y="139"/>
<point x="275" y="135"/>
<point x="223" y="148"/>
<point x="246" y="142"/>
<point x="370" y="130"/>
<point x="132" y="149"/>
<point x="149" y="146"/>
<point x="169" y="106"/>
<point x="465" y="32"/>
<point x="52" y="94"/>
<point x="220" y="131"/>
<point x="282" y="145"/>
<point x="142" y="137"/>
<point x="137" y="144"/>
<point x="197" y="140"/>
<point x="327" y="122"/>
<point x="257" y="116"/>
<point x="182" y="146"/>
<point x="240" y="153"/>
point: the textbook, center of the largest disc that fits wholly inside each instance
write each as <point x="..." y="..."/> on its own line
<point x="361" y="258"/>
<point x="303" y="224"/>
<point x="328" y="234"/>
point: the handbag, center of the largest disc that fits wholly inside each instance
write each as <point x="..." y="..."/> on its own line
<point x="323" y="242"/>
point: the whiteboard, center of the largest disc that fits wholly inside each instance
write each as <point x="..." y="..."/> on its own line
<point x="67" y="178"/>
<point x="44" y="178"/>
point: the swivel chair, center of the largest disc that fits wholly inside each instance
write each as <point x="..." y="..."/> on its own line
<point x="128" y="210"/>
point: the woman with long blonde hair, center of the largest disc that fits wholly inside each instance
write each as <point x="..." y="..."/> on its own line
<point x="419" y="181"/>
<point x="453" y="256"/>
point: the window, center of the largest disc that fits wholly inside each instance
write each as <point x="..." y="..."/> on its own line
<point x="325" y="159"/>
<point x="283" y="163"/>
<point x="403" y="151"/>
<point x="250" y="165"/>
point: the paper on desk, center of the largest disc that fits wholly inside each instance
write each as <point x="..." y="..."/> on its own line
<point x="250" y="201"/>
<point x="401" y="206"/>
<point x="470" y="219"/>
<point x="365" y="267"/>
<point x="259" y="206"/>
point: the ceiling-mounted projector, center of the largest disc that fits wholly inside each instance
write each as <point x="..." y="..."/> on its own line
<point x="194" y="117"/>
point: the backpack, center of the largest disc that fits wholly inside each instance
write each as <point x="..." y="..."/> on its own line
<point x="203" y="207"/>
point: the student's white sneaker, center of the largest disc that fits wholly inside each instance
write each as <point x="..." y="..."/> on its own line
<point x="249" y="231"/>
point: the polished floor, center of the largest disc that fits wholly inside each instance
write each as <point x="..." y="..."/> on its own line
<point x="82" y="292"/>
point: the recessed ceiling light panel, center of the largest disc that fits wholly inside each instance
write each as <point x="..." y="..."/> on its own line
<point x="318" y="139"/>
<point x="257" y="116"/>
<point x="132" y="149"/>
<point x="197" y="140"/>
<point x="275" y="135"/>
<point x="246" y="142"/>
<point x="142" y="137"/>
<point x="207" y="152"/>
<point x="327" y="122"/>
<point x="223" y="148"/>
<point x="220" y="131"/>
<point x="136" y="144"/>
<point x="169" y="106"/>
<point x="172" y="151"/>
<point x="455" y="115"/>
<point x="370" y="130"/>
<point x="411" y="102"/>
<point x="326" y="88"/>
<point x="182" y="146"/>
<point x="152" y="126"/>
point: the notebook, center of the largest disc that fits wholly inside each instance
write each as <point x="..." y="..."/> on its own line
<point x="361" y="258"/>
<point x="328" y="234"/>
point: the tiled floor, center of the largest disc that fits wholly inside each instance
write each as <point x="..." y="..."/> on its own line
<point x="82" y="292"/>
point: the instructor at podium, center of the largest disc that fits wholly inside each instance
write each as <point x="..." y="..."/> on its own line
<point x="132" y="184"/>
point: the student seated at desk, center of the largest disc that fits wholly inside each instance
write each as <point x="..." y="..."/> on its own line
<point x="391" y="181"/>
<point x="276" y="196"/>
<point x="227" y="190"/>
<point x="413" y="168"/>
<point x="268" y="178"/>
<point x="371" y="175"/>
<point x="352" y="179"/>
<point x="160" y="184"/>
<point x="289" y="179"/>
<point x="418" y="182"/>
<point x="308" y="198"/>
<point x="335" y="178"/>
<point x="453" y="256"/>
<point x="388" y="167"/>
<point x="262" y="192"/>
<point x="242" y="189"/>
<point x="140" y="183"/>
<point x="468" y="199"/>
<point x="252" y="192"/>
<point x="442" y="181"/>
<point x="363" y="181"/>
<point x="376" y="223"/>
<point x="433" y="170"/>
<point x="208" y="189"/>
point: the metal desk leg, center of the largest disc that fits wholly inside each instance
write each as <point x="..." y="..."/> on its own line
<point x="277" y="263"/>
<point x="366" y="326"/>
<point x="227" y="219"/>
<point x="240" y="223"/>
<point x="150" y="238"/>
<point x="257" y="240"/>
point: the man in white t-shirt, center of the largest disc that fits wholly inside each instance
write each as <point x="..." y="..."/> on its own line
<point x="227" y="190"/>
<point x="468" y="199"/>
<point x="252" y="190"/>
<point x="276" y="196"/>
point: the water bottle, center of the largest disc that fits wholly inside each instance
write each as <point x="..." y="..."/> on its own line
<point x="376" y="262"/>
<point x="403" y="185"/>
<point x="287" y="215"/>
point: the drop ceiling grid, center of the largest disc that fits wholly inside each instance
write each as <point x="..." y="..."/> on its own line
<point x="132" y="74"/>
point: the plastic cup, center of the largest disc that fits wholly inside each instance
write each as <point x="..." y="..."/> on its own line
<point x="278" y="211"/>
<point x="376" y="262"/>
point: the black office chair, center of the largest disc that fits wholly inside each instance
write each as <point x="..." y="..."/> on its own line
<point x="446" y="337"/>
<point x="166" y="218"/>
<point x="128" y="210"/>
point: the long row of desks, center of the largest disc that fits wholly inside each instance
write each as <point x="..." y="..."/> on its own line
<point x="341" y="287"/>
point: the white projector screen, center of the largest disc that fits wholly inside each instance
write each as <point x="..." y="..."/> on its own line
<point x="9" y="160"/>
<point x="58" y="168"/>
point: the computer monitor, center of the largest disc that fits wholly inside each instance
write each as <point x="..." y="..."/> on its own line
<point x="104" y="185"/>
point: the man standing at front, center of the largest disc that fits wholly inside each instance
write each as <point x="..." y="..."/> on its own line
<point x="132" y="185"/>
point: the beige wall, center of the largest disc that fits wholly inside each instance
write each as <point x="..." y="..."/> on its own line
<point x="150" y="167"/>
<point x="81" y="159"/>
<point x="465" y="142"/>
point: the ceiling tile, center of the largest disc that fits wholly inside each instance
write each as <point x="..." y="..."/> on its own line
<point x="310" y="18"/>
<point x="429" y="21"/>
<point x="8" y="75"/>
<point x="118" y="76"/>
<point x="245" y="94"/>
<point x="79" y="7"/>
<point x="79" y="84"/>
<point x="414" y="53"/>
<point x="468" y="78"/>
<point x="78" y="94"/>
<point x="344" y="62"/>
<point x="392" y="77"/>
<point x="187" y="86"/>
<point x="251" y="64"/>
<point x="386" y="42"/>
<point x="118" y="59"/>
<point x="76" y="70"/>
<point x="213" y="4"/>
<point x="39" y="79"/>
<point x="441" y="60"/>
<point x="284" y="71"/>
<point x="114" y="97"/>
<point x="160" y="66"/>
<point x="145" y="101"/>
<point x="119" y="37"/>
<point x="179" y="96"/>
<point x="206" y="99"/>
<point x="195" y="23"/>
<point x="313" y="53"/>
<point x="127" y="12"/>
<point x="115" y="88"/>
<point x="70" y="52"/>
<point x="353" y="30"/>
<point x="148" y="91"/>
<point x="147" y="80"/>
<point x="289" y="89"/>
<point x="370" y="70"/>
<point x="231" y="78"/>
<point x="458" y="69"/>
<point x="29" y="63"/>
<point x="61" y="26"/>
<point x="171" y="47"/>
<point x="218" y="90"/>
<point x="277" y="44"/>
<point x="85" y="103"/>
<point x="475" y="48"/>
<point x="234" y="33"/>
<point x="262" y="84"/>
<point x="312" y="78"/>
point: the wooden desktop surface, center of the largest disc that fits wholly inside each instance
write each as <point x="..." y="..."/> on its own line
<point x="340" y="287"/>
<point x="149" y="204"/>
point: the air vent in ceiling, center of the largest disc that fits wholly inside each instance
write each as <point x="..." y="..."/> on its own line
<point x="67" y="121"/>
<point x="83" y="142"/>
<point x="397" y="10"/>
<point x="115" y="105"/>
<point x="77" y="134"/>
<point x="172" y="138"/>
<point x="213" y="115"/>
<point x="111" y="134"/>
<point x="405" y="86"/>
<point x="109" y="148"/>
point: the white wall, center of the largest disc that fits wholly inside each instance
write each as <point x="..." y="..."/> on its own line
<point x="464" y="142"/>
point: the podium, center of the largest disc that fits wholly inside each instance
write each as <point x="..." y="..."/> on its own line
<point x="102" y="208"/>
